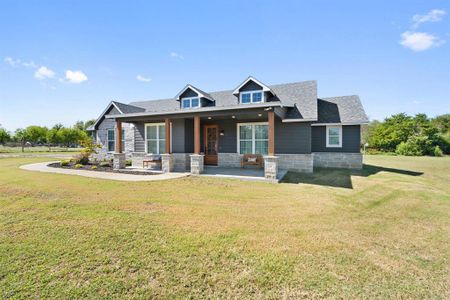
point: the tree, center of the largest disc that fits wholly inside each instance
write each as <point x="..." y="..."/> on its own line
<point x="390" y="133"/>
<point x="37" y="134"/>
<point x="4" y="135"/>
<point x="442" y="122"/>
<point x="70" y="136"/>
<point x="21" y="135"/>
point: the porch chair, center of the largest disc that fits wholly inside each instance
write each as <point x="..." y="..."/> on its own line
<point x="251" y="160"/>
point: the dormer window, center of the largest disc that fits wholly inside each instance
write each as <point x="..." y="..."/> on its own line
<point x="251" y="97"/>
<point x="193" y="102"/>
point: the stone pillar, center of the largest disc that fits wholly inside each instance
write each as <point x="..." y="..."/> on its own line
<point x="196" y="164"/>
<point x="271" y="167"/>
<point x="167" y="163"/>
<point x="119" y="161"/>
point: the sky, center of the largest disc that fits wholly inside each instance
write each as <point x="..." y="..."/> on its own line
<point x="63" y="61"/>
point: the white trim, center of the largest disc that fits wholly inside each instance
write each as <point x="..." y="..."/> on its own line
<point x="339" y="124"/>
<point x="238" y="136"/>
<point x="298" y="120"/>
<point x="157" y="136"/>
<point x="340" y="136"/>
<point x="251" y="97"/>
<point x="190" y="102"/>
<point x="104" y="112"/>
<point x="265" y="88"/>
<point x="188" y="86"/>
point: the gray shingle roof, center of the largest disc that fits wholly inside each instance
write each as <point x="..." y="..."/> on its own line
<point x="345" y="109"/>
<point x="127" y="109"/>
<point x="302" y="95"/>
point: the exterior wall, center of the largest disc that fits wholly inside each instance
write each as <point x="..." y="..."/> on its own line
<point x="338" y="160"/>
<point x="182" y="162"/>
<point x="351" y="139"/>
<point x="101" y="135"/>
<point x="296" y="162"/>
<point x="250" y="86"/>
<point x="229" y="160"/>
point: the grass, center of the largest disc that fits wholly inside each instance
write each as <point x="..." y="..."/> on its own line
<point x="37" y="149"/>
<point x="383" y="232"/>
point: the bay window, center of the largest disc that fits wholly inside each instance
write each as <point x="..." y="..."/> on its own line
<point x="253" y="138"/>
<point x="155" y="138"/>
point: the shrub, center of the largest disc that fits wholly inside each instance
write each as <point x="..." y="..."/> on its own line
<point x="78" y="166"/>
<point x="94" y="168"/>
<point x="408" y="149"/>
<point x="128" y="162"/>
<point x="81" y="158"/>
<point x="437" y="151"/>
<point x="64" y="163"/>
<point x="105" y="164"/>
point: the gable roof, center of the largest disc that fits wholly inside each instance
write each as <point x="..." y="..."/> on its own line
<point x="343" y="110"/>
<point x="265" y="88"/>
<point x="197" y="90"/>
<point x="121" y="108"/>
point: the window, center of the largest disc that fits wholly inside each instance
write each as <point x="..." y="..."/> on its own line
<point x="253" y="138"/>
<point x="155" y="138"/>
<point x="190" y="102"/>
<point x="334" y="136"/>
<point x="251" y="97"/>
<point x="111" y="140"/>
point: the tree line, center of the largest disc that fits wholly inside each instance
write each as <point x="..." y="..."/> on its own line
<point x="58" y="135"/>
<point x="409" y="135"/>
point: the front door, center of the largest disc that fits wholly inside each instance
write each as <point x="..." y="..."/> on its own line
<point x="211" y="144"/>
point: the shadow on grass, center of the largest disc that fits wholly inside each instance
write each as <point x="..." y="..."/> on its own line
<point x="340" y="177"/>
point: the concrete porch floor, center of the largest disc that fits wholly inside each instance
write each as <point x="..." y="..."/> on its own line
<point x="250" y="174"/>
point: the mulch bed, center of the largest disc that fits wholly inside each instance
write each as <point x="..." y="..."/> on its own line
<point x="99" y="168"/>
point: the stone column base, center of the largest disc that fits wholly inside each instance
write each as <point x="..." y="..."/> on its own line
<point x="197" y="163"/>
<point x="271" y="167"/>
<point x="119" y="161"/>
<point x="167" y="163"/>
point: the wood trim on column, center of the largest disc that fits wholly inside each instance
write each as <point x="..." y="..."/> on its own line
<point x="196" y="135"/>
<point x="168" y="137"/>
<point x="118" y="141"/>
<point x="271" y="121"/>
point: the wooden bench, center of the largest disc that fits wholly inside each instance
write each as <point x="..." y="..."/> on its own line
<point x="146" y="162"/>
<point x="251" y="160"/>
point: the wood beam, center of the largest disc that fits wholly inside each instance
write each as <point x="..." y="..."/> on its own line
<point x="118" y="137"/>
<point x="196" y="135"/>
<point x="271" y="121"/>
<point x="168" y="138"/>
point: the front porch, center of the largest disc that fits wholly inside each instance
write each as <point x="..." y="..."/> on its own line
<point x="253" y="174"/>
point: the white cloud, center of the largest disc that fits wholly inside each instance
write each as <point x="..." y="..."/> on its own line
<point x="176" y="55"/>
<point x="18" y="62"/>
<point x="75" y="76"/>
<point x="420" y="41"/>
<point x="43" y="73"/>
<point x="143" y="79"/>
<point x="435" y="15"/>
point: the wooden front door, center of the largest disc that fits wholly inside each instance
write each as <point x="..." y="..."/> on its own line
<point x="211" y="141"/>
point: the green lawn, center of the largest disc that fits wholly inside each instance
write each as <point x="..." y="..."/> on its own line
<point x="383" y="232"/>
<point x="37" y="149"/>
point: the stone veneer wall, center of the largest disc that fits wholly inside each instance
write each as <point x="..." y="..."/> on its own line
<point x="102" y="139"/>
<point x="182" y="161"/>
<point x="230" y="160"/>
<point x="296" y="162"/>
<point x="338" y="160"/>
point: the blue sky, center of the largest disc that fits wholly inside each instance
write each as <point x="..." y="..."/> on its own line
<point x="63" y="61"/>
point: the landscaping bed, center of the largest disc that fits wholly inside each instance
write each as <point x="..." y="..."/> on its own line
<point x="97" y="167"/>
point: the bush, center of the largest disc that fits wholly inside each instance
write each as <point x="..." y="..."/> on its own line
<point x="128" y="162"/>
<point x="437" y="151"/>
<point x="64" y="163"/>
<point x="408" y="149"/>
<point x="105" y="164"/>
<point x="82" y="158"/>
<point x="78" y="166"/>
<point x="94" y="168"/>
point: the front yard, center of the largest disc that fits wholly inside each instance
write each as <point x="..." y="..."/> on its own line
<point x="383" y="232"/>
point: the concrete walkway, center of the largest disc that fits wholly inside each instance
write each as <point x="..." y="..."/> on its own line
<point x="240" y="173"/>
<point x="43" y="167"/>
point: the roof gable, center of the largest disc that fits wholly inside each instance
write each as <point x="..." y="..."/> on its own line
<point x="199" y="92"/>
<point x="253" y="80"/>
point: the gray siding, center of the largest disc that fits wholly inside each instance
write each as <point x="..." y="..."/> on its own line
<point x="178" y="133"/>
<point x="139" y="133"/>
<point x="351" y="139"/>
<point x="250" y="86"/>
<point x="189" y="135"/>
<point x="292" y="138"/>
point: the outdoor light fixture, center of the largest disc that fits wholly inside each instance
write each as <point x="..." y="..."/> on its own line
<point x="259" y="115"/>
<point x="222" y="132"/>
<point x="209" y="118"/>
<point x="233" y="117"/>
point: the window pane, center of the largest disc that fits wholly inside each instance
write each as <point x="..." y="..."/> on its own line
<point x="261" y="132"/>
<point x="245" y="132"/>
<point x="333" y="131"/>
<point x="245" y="147"/>
<point x="261" y="147"/>
<point x="257" y="97"/>
<point x="151" y="132"/>
<point x="194" y="102"/>
<point x="186" y="103"/>
<point x="111" y="146"/>
<point x="110" y="134"/>
<point x="162" y="131"/>
<point x="152" y="147"/>
<point x="245" y="98"/>
<point x="333" y="140"/>
<point x="162" y="146"/>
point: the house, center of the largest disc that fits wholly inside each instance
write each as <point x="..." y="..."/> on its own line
<point x="287" y="124"/>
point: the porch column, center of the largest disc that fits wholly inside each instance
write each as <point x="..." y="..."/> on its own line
<point x="167" y="163"/>
<point x="271" y="121"/>
<point x="196" y="158"/>
<point x="270" y="160"/>
<point x="118" y="156"/>
<point x="196" y="135"/>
